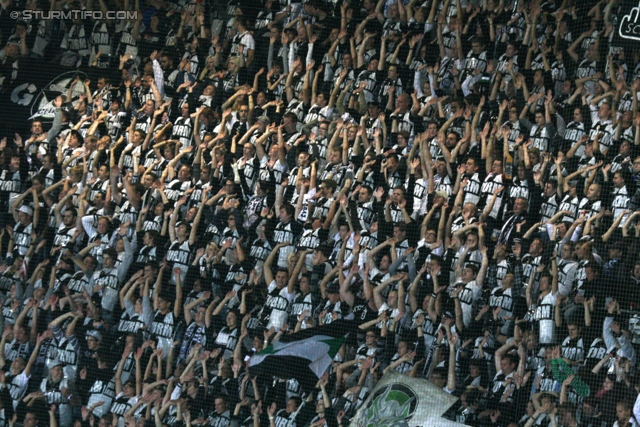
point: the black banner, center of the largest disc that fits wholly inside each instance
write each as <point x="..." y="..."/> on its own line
<point x="32" y="90"/>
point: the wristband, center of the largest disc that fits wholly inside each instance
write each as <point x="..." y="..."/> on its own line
<point x="434" y="295"/>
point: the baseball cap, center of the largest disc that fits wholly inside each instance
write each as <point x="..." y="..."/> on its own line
<point x="333" y="288"/>
<point x="418" y="313"/>
<point x="95" y="334"/>
<point x="53" y="363"/>
<point x="26" y="209"/>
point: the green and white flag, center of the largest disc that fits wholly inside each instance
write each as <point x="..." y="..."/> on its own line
<point x="401" y="401"/>
<point x="304" y="355"/>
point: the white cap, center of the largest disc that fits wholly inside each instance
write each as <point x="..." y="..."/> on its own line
<point x="26" y="209"/>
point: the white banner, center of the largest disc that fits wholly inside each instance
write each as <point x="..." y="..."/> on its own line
<point x="401" y="401"/>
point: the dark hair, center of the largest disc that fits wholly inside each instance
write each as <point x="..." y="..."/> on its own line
<point x="292" y="117"/>
<point x="153" y="234"/>
<point x="142" y="133"/>
<point x="111" y="252"/>
<point x="289" y="209"/>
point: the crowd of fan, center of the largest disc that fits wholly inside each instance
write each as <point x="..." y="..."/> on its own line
<point x="458" y="177"/>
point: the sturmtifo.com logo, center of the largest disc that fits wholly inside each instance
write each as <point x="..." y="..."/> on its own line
<point x="69" y="14"/>
<point x="630" y="24"/>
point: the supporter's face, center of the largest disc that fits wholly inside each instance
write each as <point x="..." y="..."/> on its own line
<point x="625" y="148"/>
<point x="392" y="164"/>
<point x="73" y="142"/>
<point x="392" y="73"/>
<point x="191" y="214"/>
<point x="594" y="192"/>
<point x="370" y="339"/>
<point x="56" y="373"/>
<point x="304" y="285"/>
<point x="243" y="112"/>
<point x="333" y="35"/>
<point x="293" y="260"/>
<point x="431" y="236"/>
<point x="164" y="305"/>
<point x="24" y="218"/>
<point x="549" y="190"/>
<point x="402" y="348"/>
<point x="291" y="406"/>
<point x="577" y="115"/>
<point x="618" y="182"/>
<point x="471" y="166"/>
<point x="574" y="332"/>
<point x="108" y="261"/>
<point x="604" y="112"/>
<point x="347" y="61"/>
<point x="303" y="159"/>
<point x="539" y="119"/>
<point x="403" y="102"/>
<point x="363" y="195"/>
<point x="451" y="140"/>
<point x="36" y="128"/>
<point x="68" y="218"/>
<point x="30" y="420"/>
<point x="506" y="366"/>
<point x="184" y="174"/>
<point x="496" y="167"/>
<point x="385" y="262"/>
<point x="221" y="406"/>
<point x="231" y="319"/>
<point x="392" y="299"/>
<point x="399" y="234"/>
<point x="20" y="334"/>
<point x="544" y="284"/>
<point x="92" y="343"/>
<point x="334" y="157"/>
<point x="474" y="371"/>
<point x="477" y="48"/>
<point x="397" y="196"/>
<point x="468" y="275"/>
<point x="608" y="384"/>
<point x="566" y="252"/>
<point x="535" y="247"/>
<point x="472" y="241"/>
<point x="393" y="11"/>
<point x="511" y="50"/>
<point x="11" y="51"/>
<point x="149" y="106"/>
<point x="282" y="278"/>
<point x="432" y="130"/>
<point x="438" y="380"/>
